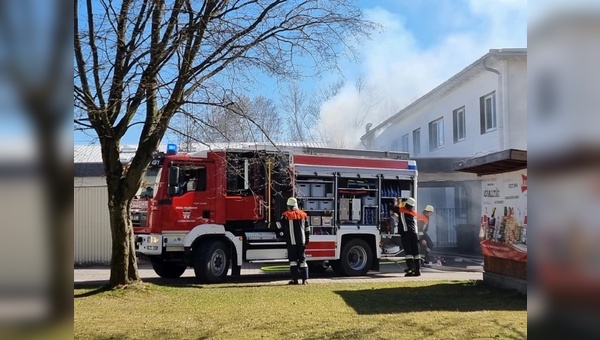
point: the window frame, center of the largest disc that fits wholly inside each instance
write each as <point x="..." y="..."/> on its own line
<point x="483" y="115"/>
<point x="439" y="127"/>
<point x="458" y="123"/>
<point x="404" y="143"/>
<point x="416" y="141"/>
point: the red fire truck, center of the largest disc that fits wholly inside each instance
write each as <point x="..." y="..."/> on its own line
<point x="214" y="210"/>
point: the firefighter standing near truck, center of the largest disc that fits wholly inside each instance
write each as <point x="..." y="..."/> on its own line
<point x="410" y="239"/>
<point x="295" y="229"/>
<point x="425" y="242"/>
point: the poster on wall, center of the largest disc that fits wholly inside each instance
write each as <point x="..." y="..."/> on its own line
<point x="503" y="231"/>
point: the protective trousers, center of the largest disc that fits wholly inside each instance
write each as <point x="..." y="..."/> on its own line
<point x="296" y="246"/>
<point x="410" y="243"/>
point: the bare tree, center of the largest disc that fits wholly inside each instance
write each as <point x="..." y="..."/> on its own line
<point x="244" y="120"/>
<point x="294" y="105"/>
<point x="140" y="62"/>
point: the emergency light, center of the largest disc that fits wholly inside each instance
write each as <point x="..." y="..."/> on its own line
<point x="171" y="149"/>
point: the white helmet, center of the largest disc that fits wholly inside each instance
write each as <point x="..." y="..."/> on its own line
<point x="429" y="208"/>
<point x="292" y="202"/>
<point x="411" y="201"/>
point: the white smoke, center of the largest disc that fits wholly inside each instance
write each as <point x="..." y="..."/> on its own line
<point x="396" y="70"/>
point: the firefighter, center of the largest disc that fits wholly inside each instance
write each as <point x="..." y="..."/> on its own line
<point x="410" y="240"/>
<point x="296" y="231"/>
<point x="425" y="242"/>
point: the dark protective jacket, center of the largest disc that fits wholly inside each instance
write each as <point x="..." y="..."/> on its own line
<point x="408" y="220"/>
<point x="295" y="227"/>
<point x="422" y="223"/>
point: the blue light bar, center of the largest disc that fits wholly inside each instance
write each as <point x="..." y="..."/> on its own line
<point x="412" y="165"/>
<point x="171" y="149"/>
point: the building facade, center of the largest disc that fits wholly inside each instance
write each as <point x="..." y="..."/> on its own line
<point x="479" y="111"/>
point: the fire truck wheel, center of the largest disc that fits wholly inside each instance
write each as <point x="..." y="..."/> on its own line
<point x="211" y="261"/>
<point x="168" y="270"/>
<point x="356" y="259"/>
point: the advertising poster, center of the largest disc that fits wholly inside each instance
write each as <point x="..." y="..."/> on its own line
<point x="503" y="230"/>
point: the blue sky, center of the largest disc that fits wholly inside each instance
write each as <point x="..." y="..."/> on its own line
<point x="423" y="43"/>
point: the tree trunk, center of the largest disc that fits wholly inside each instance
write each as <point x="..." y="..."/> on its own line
<point x="123" y="269"/>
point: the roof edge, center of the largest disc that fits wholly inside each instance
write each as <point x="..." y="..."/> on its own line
<point x="501" y="54"/>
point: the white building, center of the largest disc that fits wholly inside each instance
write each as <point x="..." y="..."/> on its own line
<point x="481" y="110"/>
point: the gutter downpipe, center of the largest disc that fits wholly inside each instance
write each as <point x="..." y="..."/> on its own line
<point x="500" y="101"/>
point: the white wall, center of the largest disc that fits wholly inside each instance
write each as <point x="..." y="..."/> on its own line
<point x="91" y="226"/>
<point x="517" y="105"/>
<point x="468" y="95"/>
<point x="89" y="181"/>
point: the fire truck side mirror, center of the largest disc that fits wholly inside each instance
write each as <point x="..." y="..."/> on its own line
<point x="173" y="188"/>
<point x="174" y="176"/>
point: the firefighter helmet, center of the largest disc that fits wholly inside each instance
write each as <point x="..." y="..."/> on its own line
<point x="411" y="201"/>
<point x="292" y="202"/>
<point x="429" y="208"/>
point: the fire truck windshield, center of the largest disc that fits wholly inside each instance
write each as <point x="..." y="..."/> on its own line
<point x="149" y="186"/>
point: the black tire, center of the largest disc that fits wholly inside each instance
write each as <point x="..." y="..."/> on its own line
<point x="317" y="267"/>
<point x="356" y="259"/>
<point x="168" y="270"/>
<point x="211" y="261"/>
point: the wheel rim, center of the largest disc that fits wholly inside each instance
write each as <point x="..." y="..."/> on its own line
<point x="357" y="258"/>
<point x="217" y="262"/>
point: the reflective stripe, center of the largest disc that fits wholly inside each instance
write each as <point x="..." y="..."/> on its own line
<point x="404" y="226"/>
<point x="293" y="263"/>
<point x="303" y="265"/>
<point x="409" y="257"/>
<point x="292" y="236"/>
<point x="417" y="257"/>
<point x="303" y="233"/>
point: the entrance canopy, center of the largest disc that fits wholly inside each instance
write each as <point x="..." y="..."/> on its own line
<point x="494" y="163"/>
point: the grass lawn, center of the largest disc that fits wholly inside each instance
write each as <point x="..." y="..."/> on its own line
<point x="379" y="310"/>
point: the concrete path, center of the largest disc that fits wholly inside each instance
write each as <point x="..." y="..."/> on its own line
<point x="274" y="273"/>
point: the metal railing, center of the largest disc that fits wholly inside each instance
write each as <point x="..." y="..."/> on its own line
<point x="446" y="221"/>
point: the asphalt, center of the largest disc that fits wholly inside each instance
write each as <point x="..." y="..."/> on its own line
<point x="453" y="267"/>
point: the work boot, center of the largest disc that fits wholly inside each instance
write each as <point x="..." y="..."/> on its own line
<point x="417" y="268"/>
<point x="304" y="282"/>
<point x="303" y="272"/>
<point x="409" y="267"/>
<point x="294" y="273"/>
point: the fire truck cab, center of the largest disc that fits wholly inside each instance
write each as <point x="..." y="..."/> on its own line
<point x="214" y="210"/>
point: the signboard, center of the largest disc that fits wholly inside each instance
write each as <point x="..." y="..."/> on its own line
<point x="503" y="231"/>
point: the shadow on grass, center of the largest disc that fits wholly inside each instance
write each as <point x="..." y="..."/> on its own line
<point x="97" y="289"/>
<point x="462" y="297"/>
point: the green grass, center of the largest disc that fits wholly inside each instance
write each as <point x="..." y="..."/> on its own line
<point x="393" y="310"/>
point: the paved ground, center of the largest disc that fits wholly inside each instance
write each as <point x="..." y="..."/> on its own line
<point x="454" y="268"/>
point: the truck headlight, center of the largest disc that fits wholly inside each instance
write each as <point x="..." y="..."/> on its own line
<point x="152" y="239"/>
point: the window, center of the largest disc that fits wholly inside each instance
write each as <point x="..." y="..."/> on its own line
<point x="395" y="145"/>
<point x="487" y="106"/>
<point x="436" y="134"/>
<point x="459" y="124"/>
<point x="404" y="143"/>
<point x="417" y="141"/>
<point x="191" y="178"/>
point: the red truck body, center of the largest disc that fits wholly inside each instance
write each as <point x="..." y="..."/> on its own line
<point x="214" y="210"/>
